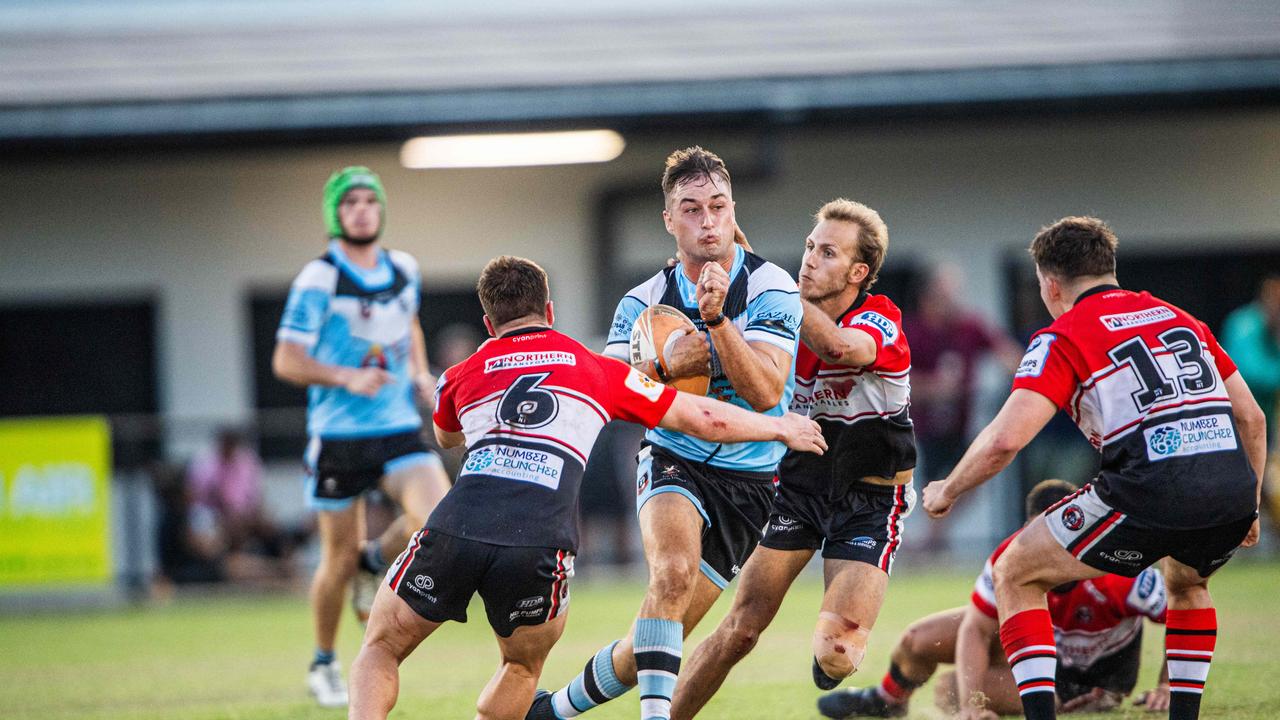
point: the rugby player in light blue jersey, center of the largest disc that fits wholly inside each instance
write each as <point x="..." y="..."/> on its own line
<point x="350" y="333"/>
<point x="702" y="505"/>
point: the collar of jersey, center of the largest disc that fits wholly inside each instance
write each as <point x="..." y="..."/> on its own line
<point x="857" y="302"/>
<point x="1095" y="290"/>
<point x="368" y="278"/>
<point x="689" y="290"/>
<point x="527" y="330"/>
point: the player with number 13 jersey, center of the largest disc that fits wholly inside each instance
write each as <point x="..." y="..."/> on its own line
<point x="1144" y="382"/>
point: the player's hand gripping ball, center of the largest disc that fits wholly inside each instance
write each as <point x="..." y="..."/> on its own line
<point x="655" y="331"/>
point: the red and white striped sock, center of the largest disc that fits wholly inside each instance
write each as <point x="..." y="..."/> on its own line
<point x="896" y="688"/>
<point x="1189" y="638"/>
<point x="1028" y="642"/>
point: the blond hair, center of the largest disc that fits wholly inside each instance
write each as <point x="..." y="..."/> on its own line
<point x="873" y="234"/>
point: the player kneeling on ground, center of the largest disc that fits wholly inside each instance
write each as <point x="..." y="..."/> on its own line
<point x="1097" y="623"/>
<point x="528" y="405"/>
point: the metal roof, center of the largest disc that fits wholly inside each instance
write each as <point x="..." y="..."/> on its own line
<point x="91" y="69"/>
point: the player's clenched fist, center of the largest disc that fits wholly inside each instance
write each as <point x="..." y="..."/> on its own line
<point x="366" y="381"/>
<point x="713" y="285"/>
<point x="937" y="502"/>
<point x="687" y="356"/>
<point x="802" y="434"/>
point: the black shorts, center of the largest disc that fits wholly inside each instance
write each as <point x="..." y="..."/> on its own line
<point x="339" y="470"/>
<point x="1109" y="540"/>
<point x="734" y="506"/>
<point x="1117" y="672"/>
<point x="863" y="522"/>
<point x="438" y="573"/>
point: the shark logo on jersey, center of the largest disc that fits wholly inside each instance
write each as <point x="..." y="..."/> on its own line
<point x="888" y="330"/>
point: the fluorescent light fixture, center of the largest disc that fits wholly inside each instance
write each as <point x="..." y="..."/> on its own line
<point x="511" y="150"/>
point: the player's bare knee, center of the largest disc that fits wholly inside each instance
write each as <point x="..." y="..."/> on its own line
<point x="910" y="642"/>
<point x="1007" y="572"/>
<point x="839" y="644"/>
<point x="740" y="637"/>
<point x="672" y="581"/>
<point x="1189" y="596"/>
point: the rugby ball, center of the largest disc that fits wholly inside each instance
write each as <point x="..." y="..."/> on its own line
<point x="655" y="330"/>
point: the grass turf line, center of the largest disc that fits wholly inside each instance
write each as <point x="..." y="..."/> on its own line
<point x="246" y="658"/>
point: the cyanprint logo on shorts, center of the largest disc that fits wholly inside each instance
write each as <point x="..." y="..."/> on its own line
<point x="1166" y="440"/>
<point x="1073" y="517"/>
<point x="479" y="460"/>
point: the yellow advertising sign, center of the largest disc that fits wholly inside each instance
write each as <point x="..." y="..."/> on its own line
<point x="54" y="501"/>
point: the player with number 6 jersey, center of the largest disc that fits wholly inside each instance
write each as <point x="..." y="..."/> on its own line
<point x="1183" y="445"/>
<point x="528" y="406"/>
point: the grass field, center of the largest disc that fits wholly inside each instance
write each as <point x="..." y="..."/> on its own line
<point x="246" y="657"/>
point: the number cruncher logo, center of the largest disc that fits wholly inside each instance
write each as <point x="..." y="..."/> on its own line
<point x="1073" y="517"/>
<point x="1165" y="440"/>
<point x="479" y="460"/>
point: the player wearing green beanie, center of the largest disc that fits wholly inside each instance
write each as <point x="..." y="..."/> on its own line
<point x="338" y="185"/>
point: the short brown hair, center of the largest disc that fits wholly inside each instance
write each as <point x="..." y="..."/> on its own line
<point x="512" y="287"/>
<point x="1046" y="494"/>
<point x="690" y="163"/>
<point x="1075" y="247"/>
<point x="873" y="234"/>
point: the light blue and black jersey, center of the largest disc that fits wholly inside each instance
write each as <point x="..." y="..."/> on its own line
<point x="764" y="303"/>
<point x="356" y="317"/>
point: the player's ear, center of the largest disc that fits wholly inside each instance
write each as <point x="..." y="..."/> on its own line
<point x="551" y="313"/>
<point x="489" y="326"/>
<point x="858" y="272"/>
<point x="666" y="222"/>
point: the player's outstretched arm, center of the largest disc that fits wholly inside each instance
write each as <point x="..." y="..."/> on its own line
<point x="834" y="344"/>
<point x="1023" y="415"/>
<point x="292" y="362"/>
<point x="1253" y="432"/>
<point x="973" y="656"/>
<point x="721" y="422"/>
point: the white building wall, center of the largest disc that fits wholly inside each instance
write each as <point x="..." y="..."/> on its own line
<point x="199" y="229"/>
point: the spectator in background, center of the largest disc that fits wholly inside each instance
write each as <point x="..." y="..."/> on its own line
<point x="194" y="546"/>
<point x="226" y="480"/>
<point x="947" y="343"/>
<point x="1251" y="336"/>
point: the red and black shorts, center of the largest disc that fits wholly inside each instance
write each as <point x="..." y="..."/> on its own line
<point x="1104" y="538"/>
<point x="438" y="573"/>
<point x="859" y="522"/>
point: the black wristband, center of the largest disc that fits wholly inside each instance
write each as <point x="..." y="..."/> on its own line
<point x="657" y="367"/>
<point x="716" y="321"/>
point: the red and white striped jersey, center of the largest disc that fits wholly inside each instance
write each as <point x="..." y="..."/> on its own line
<point x="1091" y="618"/>
<point x="1143" y="380"/>
<point x="531" y="405"/>
<point x="864" y="411"/>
